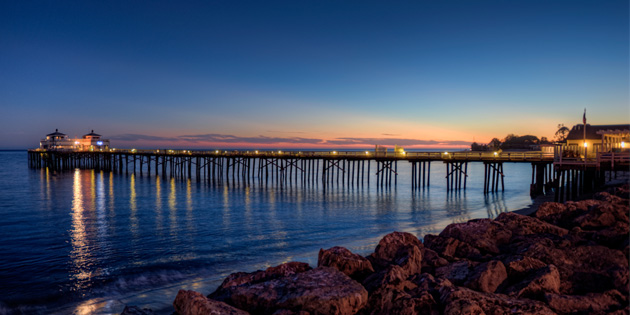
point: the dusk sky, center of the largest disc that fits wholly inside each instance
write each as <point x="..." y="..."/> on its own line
<point x="282" y="74"/>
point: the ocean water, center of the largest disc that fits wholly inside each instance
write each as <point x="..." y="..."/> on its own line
<point x="91" y="242"/>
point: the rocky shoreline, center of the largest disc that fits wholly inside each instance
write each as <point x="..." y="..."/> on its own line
<point x="565" y="258"/>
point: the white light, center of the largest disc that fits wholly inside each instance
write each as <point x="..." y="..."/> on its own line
<point x="76" y="142"/>
<point x="256" y="151"/>
<point x="585" y="144"/>
<point x="366" y="152"/>
<point x="334" y="152"/>
<point x="495" y="153"/>
<point x="217" y="151"/>
<point x="445" y="152"/>
<point x="623" y="144"/>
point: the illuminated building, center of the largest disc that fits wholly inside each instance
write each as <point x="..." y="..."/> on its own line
<point x="60" y="141"/>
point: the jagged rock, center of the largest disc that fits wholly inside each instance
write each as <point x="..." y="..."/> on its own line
<point x="194" y="303"/>
<point x="223" y="292"/>
<point x="134" y="310"/>
<point x="431" y="259"/>
<point x="389" y="246"/>
<point x="487" y="277"/>
<point x="385" y="301"/>
<point x="457" y="300"/>
<point x="525" y="225"/>
<point x="355" y="266"/>
<point x="393" y="276"/>
<point x="323" y="290"/>
<point x="289" y="312"/>
<point x="591" y="303"/>
<point x="518" y="267"/>
<point x="451" y="248"/>
<point x="483" y="234"/>
<point x="457" y="272"/>
<point x="534" y="286"/>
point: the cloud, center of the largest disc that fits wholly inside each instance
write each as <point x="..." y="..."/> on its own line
<point x="137" y="137"/>
<point x="394" y="141"/>
<point x="220" y="138"/>
<point x="390" y="134"/>
<point x="231" y="139"/>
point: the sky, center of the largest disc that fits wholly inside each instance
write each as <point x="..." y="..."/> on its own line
<point x="309" y="74"/>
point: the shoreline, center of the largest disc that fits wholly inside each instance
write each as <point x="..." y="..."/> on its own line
<point x="440" y="263"/>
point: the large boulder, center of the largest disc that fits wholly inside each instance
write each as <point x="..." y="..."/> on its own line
<point x="195" y="303"/>
<point x="134" y="310"/>
<point x="538" y="283"/>
<point x="484" y="234"/>
<point x="487" y="277"/>
<point x="518" y="266"/>
<point x="401" y="249"/>
<point x="323" y="290"/>
<point x="452" y="249"/>
<point x="458" y="300"/>
<point x="355" y="266"/>
<point x="525" y="225"/>
<point x="591" y="303"/>
<point x="223" y="292"/>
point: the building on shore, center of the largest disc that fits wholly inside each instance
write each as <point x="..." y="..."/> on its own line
<point x="597" y="139"/>
<point x="60" y="141"/>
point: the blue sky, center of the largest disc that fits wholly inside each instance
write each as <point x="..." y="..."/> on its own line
<point x="309" y="73"/>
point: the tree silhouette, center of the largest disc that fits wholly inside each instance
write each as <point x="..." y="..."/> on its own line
<point x="562" y="132"/>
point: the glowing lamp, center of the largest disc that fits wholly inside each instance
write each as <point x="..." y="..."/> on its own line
<point x="585" y="144"/>
<point x="76" y="142"/>
<point x="217" y="151"/>
<point x="623" y="144"/>
<point x="445" y="153"/>
<point x="334" y="152"/>
<point x="98" y="143"/>
<point x="495" y="153"/>
<point x="256" y="151"/>
<point x="366" y="152"/>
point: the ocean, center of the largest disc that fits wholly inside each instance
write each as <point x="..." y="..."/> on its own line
<point x="91" y="242"/>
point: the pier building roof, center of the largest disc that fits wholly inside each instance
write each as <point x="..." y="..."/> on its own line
<point x="594" y="132"/>
<point x="56" y="133"/>
<point x="92" y="135"/>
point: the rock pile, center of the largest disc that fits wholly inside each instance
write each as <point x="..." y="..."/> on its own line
<point x="569" y="258"/>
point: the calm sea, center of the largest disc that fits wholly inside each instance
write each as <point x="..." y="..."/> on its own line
<point x="88" y="242"/>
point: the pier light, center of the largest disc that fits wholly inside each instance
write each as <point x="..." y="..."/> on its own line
<point x="623" y="144"/>
<point x="496" y="153"/>
<point x="99" y="143"/>
<point x="585" y="144"/>
<point x="445" y="153"/>
<point x="279" y="152"/>
<point x="76" y="142"/>
<point x="334" y="152"/>
<point x="217" y="151"/>
<point x="256" y="151"/>
<point x="367" y="152"/>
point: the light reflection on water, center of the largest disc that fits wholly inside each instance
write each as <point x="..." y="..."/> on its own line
<point x="107" y="239"/>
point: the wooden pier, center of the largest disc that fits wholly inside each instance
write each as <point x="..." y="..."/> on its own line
<point x="348" y="168"/>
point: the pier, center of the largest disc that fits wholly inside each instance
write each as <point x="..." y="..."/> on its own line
<point x="352" y="168"/>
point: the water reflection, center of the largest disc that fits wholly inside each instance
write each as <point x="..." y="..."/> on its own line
<point x="495" y="204"/>
<point x="80" y="255"/>
<point x="158" y="206"/>
<point x="172" y="207"/>
<point x="133" y="207"/>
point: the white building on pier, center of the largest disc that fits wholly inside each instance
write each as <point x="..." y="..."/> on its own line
<point x="60" y="141"/>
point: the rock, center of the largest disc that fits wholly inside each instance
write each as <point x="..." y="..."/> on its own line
<point x="602" y="216"/>
<point x="525" y="225"/>
<point x="457" y="272"/>
<point x="591" y="303"/>
<point x="195" y="303"/>
<point x="457" y="300"/>
<point x="395" y="301"/>
<point x="134" y="310"/>
<point x="289" y="312"/>
<point x="398" y="248"/>
<point x="393" y="276"/>
<point x="240" y="278"/>
<point x="355" y="266"/>
<point x="323" y="290"/>
<point x="518" y="267"/>
<point x="535" y="285"/>
<point x="487" y="277"/>
<point x="431" y="259"/>
<point x="451" y="248"/>
<point x="388" y="247"/>
<point x="483" y="234"/>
